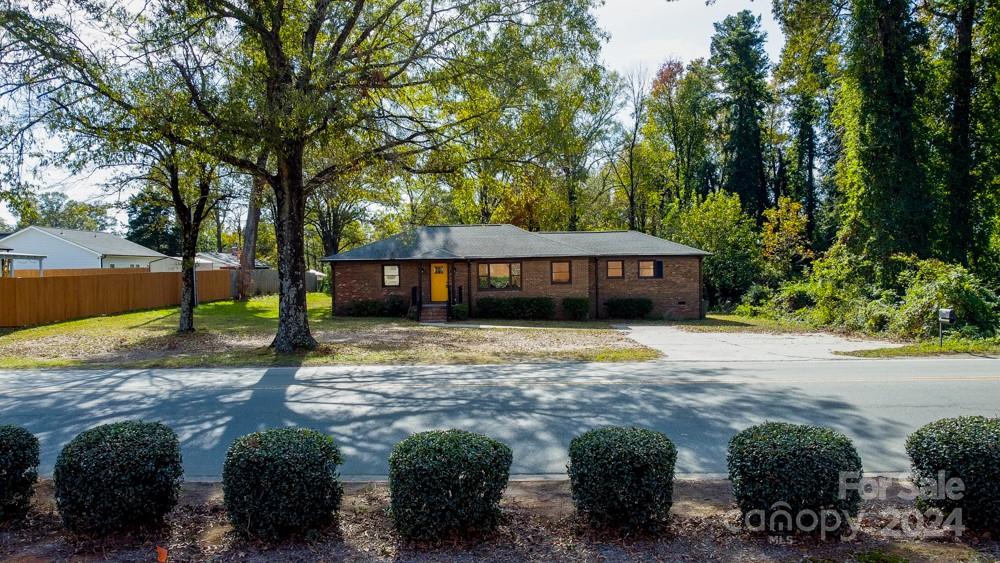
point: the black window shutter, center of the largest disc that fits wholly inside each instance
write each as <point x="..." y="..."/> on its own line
<point x="658" y="269"/>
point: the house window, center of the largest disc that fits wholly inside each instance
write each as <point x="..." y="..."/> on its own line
<point x="390" y="275"/>
<point x="650" y="269"/>
<point x="504" y="275"/>
<point x="562" y="272"/>
<point x="616" y="269"/>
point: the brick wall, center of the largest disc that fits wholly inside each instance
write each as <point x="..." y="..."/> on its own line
<point x="356" y="281"/>
<point x="536" y="275"/>
<point x="676" y="296"/>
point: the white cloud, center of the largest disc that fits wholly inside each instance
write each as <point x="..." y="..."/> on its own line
<point x="646" y="32"/>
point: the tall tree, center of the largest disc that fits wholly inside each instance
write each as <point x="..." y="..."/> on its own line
<point x="888" y="205"/>
<point x="683" y="117"/>
<point x="806" y="74"/>
<point x="151" y="221"/>
<point x="739" y="58"/>
<point x="578" y="115"/>
<point x="56" y="209"/>
<point x="293" y="78"/>
<point x="626" y="161"/>
<point x="955" y="23"/>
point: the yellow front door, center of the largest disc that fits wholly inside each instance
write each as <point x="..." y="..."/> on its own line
<point x="439" y="283"/>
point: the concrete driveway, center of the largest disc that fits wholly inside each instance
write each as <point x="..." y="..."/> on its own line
<point x="682" y="345"/>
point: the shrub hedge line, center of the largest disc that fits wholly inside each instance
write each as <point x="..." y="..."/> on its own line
<point x="18" y="471"/>
<point x="442" y="484"/>
<point x="966" y="448"/>
<point x="448" y="482"/>
<point x="118" y="476"/>
<point x="392" y="306"/>
<point x="787" y="469"/>
<point x="281" y="482"/>
<point x="623" y="477"/>
<point x="629" y="307"/>
<point x="517" y="308"/>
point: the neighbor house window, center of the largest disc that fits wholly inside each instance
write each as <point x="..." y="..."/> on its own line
<point x="561" y="272"/>
<point x="616" y="269"/>
<point x="390" y="275"/>
<point x="504" y="275"/>
<point x="650" y="268"/>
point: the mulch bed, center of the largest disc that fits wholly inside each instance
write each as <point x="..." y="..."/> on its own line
<point x="539" y="524"/>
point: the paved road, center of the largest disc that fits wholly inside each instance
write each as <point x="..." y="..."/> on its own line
<point x="535" y="408"/>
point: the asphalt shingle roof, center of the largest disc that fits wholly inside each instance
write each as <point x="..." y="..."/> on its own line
<point x="106" y="244"/>
<point x="622" y="243"/>
<point x="451" y="242"/>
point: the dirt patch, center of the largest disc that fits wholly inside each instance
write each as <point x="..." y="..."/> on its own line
<point x="539" y="524"/>
<point x="340" y="342"/>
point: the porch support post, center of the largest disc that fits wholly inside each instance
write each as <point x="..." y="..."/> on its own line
<point x="468" y="287"/>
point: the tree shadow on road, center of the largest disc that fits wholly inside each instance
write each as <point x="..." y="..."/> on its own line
<point x="537" y="409"/>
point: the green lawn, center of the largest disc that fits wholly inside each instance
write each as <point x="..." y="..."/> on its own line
<point x="984" y="347"/>
<point x="720" y="322"/>
<point x="238" y="334"/>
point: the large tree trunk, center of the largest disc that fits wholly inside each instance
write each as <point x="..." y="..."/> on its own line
<point x="189" y="297"/>
<point x="293" y="320"/>
<point x="248" y="257"/>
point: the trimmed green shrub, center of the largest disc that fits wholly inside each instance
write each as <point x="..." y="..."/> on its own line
<point x="966" y="448"/>
<point x="18" y="471"/>
<point x="623" y="476"/>
<point x="779" y="469"/>
<point x="366" y="308"/>
<point x="517" y="308"/>
<point x="576" y="308"/>
<point x="460" y="312"/>
<point x="629" y="307"/>
<point x="119" y="476"/>
<point x="395" y="306"/>
<point x="447" y="482"/>
<point x="281" y="482"/>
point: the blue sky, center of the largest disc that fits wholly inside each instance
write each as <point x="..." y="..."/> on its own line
<point x="643" y="33"/>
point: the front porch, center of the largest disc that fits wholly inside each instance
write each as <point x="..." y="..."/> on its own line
<point x="439" y="288"/>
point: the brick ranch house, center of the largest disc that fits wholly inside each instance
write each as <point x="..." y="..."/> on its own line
<point x="436" y="267"/>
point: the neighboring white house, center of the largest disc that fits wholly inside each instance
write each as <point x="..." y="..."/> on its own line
<point x="70" y="249"/>
<point x="173" y="264"/>
<point x="224" y="261"/>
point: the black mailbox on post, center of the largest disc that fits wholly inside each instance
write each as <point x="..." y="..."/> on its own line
<point x="947" y="316"/>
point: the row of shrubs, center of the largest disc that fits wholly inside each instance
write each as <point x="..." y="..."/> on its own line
<point x="516" y="308"/>
<point x="285" y="481"/>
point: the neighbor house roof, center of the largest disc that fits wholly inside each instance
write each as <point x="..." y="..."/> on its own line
<point x="104" y="244"/>
<point x="464" y="242"/>
<point x="622" y="243"/>
<point x="229" y="260"/>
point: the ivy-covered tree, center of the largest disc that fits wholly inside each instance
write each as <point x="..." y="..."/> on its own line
<point x="888" y="207"/>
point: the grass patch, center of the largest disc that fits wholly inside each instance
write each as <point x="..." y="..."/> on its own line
<point x="231" y="334"/>
<point x="977" y="347"/>
<point x="719" y="322"/>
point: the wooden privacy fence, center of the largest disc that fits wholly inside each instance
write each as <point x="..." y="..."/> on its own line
<point x="265" y="282"/>
<point x="28" y="273"/>
<point x="31" y="301"/>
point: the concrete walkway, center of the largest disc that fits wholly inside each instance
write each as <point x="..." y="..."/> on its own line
<point x="683" y="345"/>
<point x="537" y="409"/>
